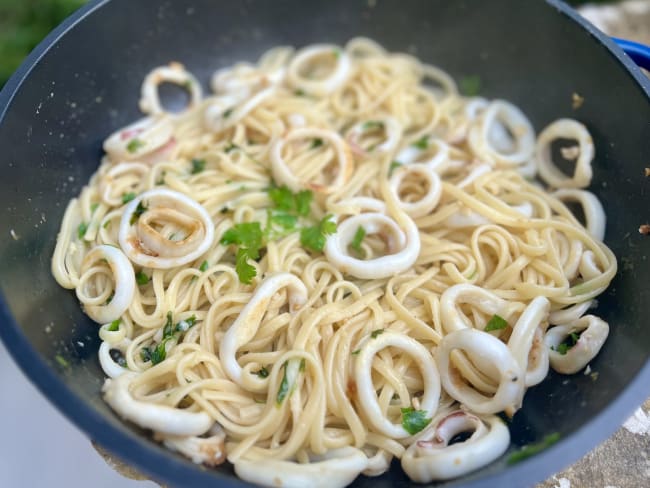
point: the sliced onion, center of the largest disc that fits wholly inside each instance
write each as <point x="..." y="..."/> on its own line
<point x="146" y="247"/>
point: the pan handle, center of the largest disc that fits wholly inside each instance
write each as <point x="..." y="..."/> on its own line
<point x="639" y="53"/>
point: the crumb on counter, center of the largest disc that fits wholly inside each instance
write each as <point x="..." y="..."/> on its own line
<point x="576" y="101"/>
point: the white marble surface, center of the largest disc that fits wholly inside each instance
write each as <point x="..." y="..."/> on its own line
<point x="39" y="447"/>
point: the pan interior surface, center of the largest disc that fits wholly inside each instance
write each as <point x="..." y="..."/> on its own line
<point x="86" y="84"/>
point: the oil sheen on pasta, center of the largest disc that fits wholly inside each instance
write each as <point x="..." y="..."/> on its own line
<point x="333" y="261"/>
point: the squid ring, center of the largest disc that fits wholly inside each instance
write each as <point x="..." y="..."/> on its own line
<point x="594" y="333"/>
<point x="248" y="322"/>
<point x="435" y="156"/>
<point x="565" y="128"/>
<point x="514" y="120"/>
<point x="210" y="451"/>
<point x="389" y="126"/>
<point x="145" y="246"/>
<point x="591" y="206"/>
<point x="429" y="201"/>
<point x="173" y="73"/>
<point x="283" y="175"/>
<point x="140" y="138"/>
<point x="336" y="468"/>
<point x="481" y="298"/>
<point x="123" y="290"/>
<point x="363" y="375"/>
<point x="407" y="245"/>
<point x="324" y="85"/>
<point x="243" y="79"/>
<point x="160" y="418"/>
<point x="427" y="460"/>
<point x="109" y="366"/>
<point x="226" y="110"/>
<point x="479" y="344"/>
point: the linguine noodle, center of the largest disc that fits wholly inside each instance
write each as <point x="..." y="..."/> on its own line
<point x="334" y="261"/>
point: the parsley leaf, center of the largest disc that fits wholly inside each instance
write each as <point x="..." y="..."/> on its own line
<point x="168" y="330"/>
<point x="230" y="147"/>
<point x="141" y="278"/>
<point x="227" y="113"/>
<point x="496" y="323"/>
<point x="185" y="324"/>
<point x="355" y="352"/>
<point x="372" y="125"/>
<point x="532" y="449"/>
<point x="316" y="143"/>
<point x="204" y="266"/>
<point x="281" y="197"/>
<point x="314" y="237"/>
<point x="299" y="93"/>
<point x="413" y="420"/>
<point x="247" y="234"/>
<point x="93" y="207"/>
<point x="244" y="269"/>
<point x="134" y="145"/>
<point x="115" y="325"/>
<point x="568" y="343"/>
<point x="127" y="197"/>
<point x="291" y="370"/>
<point x="81" y="229"/>
<point x="284" y="220"/>
<point x="422" y="143"/>
<point x="302" y="201"/>
<point x="393" y="166"/>
<point x="376" y="333"/>
<point x="139" y="210"/>
<point x="357" y="239"/>
<point x="262" y="373"/>
<point x="159" y="353"/>
<point x="198" y="165"/>
<point x="470" y="85"/>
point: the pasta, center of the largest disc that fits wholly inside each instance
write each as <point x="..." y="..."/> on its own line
<point x="333" y="261"/>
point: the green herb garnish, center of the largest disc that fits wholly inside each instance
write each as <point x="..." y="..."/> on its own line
<point x="141" y="278"/>
<point x="496" y="323"/>
<point x="81" y="229"/>
<point x="314" y="237"/>
<point x="62" y="361"/>
<point x="357" y="239"/>
<point x="284" y="199"/>
<point x="245" y="271"/>
<point x="139" y="210"/>
<point x="413" y="420"/>
<point x="262" y="373"/>
<point x="316" y="143"/>
<point x="230" y="147"/>
<point x="422" y="143"/>
<point x="375" y="333"/>
<point x="198" y="165"/>
<point x="127" y="197"/>
<point x="114" y="326"/>
<point x="532" y="449"/>
<point x="204" y="266"/>
<point x="393" y="166"/>
<point x="354" y="353"/>
<point x="134" y="145"/>
<point x="568" y="343"/>
<point x="227" y="113"/>
<point x="470" y="85"/>
<point x="372" y="125"/>
<point x="93" y="207"/>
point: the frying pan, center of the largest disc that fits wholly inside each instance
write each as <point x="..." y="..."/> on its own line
<point x="83" y="82"/>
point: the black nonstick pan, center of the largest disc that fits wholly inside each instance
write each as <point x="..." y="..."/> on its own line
<point x="83" y="82"/>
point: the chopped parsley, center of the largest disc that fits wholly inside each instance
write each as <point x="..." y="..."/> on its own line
<point x="375" y="333"/>
<point x="204" y="266"/>
<point x="373" y="125"/>
<point x="248" y="236"/>
<point x="114" y="326"/>
<point x="158" y="353"/>
<point x="357" y="239"/>
<point x="62" y="361"/>
<point x="134" y="145"/>
<point x="93" y="207"/>
<point x="230" y="147"/>
<point x="299" y="93"/>
<point x="568" y="343"/>
<point x="262" y="373"/>
<point x="355" y="352"/>
<point x="470" y="85"/>
<point x="227" y="113"/>
<point x="291" y="370"/>
<point x="245" y="271"/>
<point x="141" y="278"/>
<point x="198" y="165"/>
<point x="496" y="323"/>
<point x="413" y="420"/>
<point x="127" y="197"/>
<point x="284" y="199"/>
<point x="393" y="166"/>
<point x="532" y="449"/>
<point x="318" y="142"/>
<point x="139" y="210"/>
<point x="313" y="237"/>
<point x="422" y="143"/>
<point x="81" y="230"/>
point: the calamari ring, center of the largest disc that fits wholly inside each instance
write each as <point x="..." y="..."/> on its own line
<point x="484" y="300"/>
<point x="572" y="129"/>
<point x="284" y="176"/>
<point x="490" y="350"/>
<point x="210" y="451"/>
<point x="123" y="289"/>
<point x="392" y="133"/>
<point x="227" y="110"/>
<point x="160" y="418"/>
<point x="140" y="138"/>
<point x="514" y="121"/>
<point x="144" y="245"/>
<point x="406" y="243"/>
<point x="429" y="201"/>
<point x="109" y="366"/>
<point x="173" y="73"/>
<point x="594" y="333"/>
<point x="248" y="322"/>
<point x="336" y="468"/>
<point x="327" y="84"/>
<point x="591" y="206"/>
<point x="432" y="458"/>
<point x="367" y="396"/>
<point x="435" y="155"/>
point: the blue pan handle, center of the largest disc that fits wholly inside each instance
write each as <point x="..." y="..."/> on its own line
<point x="639" y="53"/>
